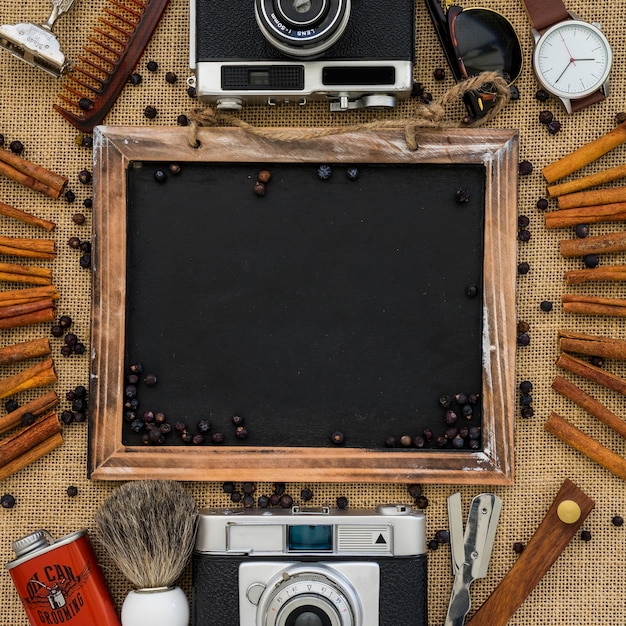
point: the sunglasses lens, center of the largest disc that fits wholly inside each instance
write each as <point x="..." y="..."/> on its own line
<point x="488" y="43"/>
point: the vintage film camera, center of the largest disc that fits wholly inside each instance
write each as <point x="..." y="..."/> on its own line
<point x="354" y="53"/>
<point x="310" y="567"/>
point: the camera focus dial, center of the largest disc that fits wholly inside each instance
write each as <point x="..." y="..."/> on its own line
<point x="307" y="597"/>
<point x="302" y="28"/>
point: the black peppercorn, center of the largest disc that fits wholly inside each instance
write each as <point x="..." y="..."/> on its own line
<point x="419" y="442"/>
<point x="527" y="412"/>
<point x="523" y="339"/>
<point x="542" y="204"/>
<point x="150" y="112"/>
<point x="79" y="348"/>
<point x="427" y="434"/>
<point x="390" y="442"/>
<point x="84" y="177"/>
<point x="442" y="536"/>
<point x="217" y="438"/>
<point x="585" y="535"/>
<point x="617" y="520"/>
<point x="56" y="331"/>
<point x="27" y="419"/>
<point x="152" y="66"/>
<point x="450" y="417"/>
<point x="66" y="350"/>
<point x="191" y="92"/>
<point x="542" y="95"/>
<point x="248" y="501"/>
<point x="545" y="117"/>
<point x="582" y="230"/>
<point x="439" y="73"/>
<point x="338" y="438"/>
<point x="259" y="189"/>
<point x="433" y="544"/>
<point x="471" y="291"/>
<point x="523" y="221"/>
<point x="135" y="78"/>
<point x="514" y="92"/>
<point x="248" y="487"/>
<point x="72" y="491"/>
<point x="203" y="426"/>
<point x="445" y="401"/>
<point x="546" y="306"/>
<point x="11" y="405"/>
<point x="523" y="235"/>
<point x="415" y="490"/>
<point x="71" y="339"/>
<point x="523" y="327"/>
<point x="228" y="486"/>
<point x="421" y="502"/>
<point x="286" y="501"/>
<point x="85" y="246"/>
<point x="461" y="195"/>
<point x="591" y="260"/>
<point x="241" y="432"/>
<point x="525" y="168"/>
<point x="353" y="173"/>
<point x="461" y="398"/>
<point x="237" y="420"/>
<point x="74" y="242"/>
<point x="597" y="361"/>
<point x="150" y="379"/>
<point x="17" y="147"/>
<point x="306" y="495"/>
<point x="554" y="127"/>
<point x="518" y="547"/>
<point x="66" y="417"/>
<point x="197" y="439"/>
<point x="279" y="488"/>
<point x="171" y="78"/>
<point x="523" y="268"/>
<point x="85" y="261"/>
<point x="620" y="118"/>
<point x="525" y="399"/>
<point x="85" y="104"/>
<point x="160" y="176"/>
<point x="235" y="496"/>
<point x="525" y="386"/>
<point x="70" y="196"/>
<point x="263" y="502"/>
<point x="324" y="172"/>
<point x="7" y="501"/>
<point x="342" y="502"/>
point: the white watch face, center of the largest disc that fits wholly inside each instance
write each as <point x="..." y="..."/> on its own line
<point x="572" y="59"/>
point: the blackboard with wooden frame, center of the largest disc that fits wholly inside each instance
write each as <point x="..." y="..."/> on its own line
<point x="117" y="150"/>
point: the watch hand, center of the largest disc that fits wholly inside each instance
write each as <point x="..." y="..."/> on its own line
<point x="571" y="58"/>
<point x="563" y="72"/>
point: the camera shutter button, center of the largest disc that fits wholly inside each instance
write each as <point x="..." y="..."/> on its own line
<point x="254" y="592"/>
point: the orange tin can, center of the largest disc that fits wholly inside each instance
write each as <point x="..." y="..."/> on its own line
<point x="60" y="582"/>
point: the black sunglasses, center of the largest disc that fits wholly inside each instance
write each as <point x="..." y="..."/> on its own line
<point x="475" y="41"/>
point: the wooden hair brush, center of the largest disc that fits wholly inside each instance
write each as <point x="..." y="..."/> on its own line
<point x="148" y="529"/>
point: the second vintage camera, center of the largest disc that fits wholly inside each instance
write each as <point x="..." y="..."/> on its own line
<point x="302" y="567"/>
<point x="355" y="54"/>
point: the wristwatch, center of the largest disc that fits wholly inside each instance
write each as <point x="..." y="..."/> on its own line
<point x="572" y="58"/>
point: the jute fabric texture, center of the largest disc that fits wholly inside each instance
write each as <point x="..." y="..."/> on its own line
<point x="587" y="585"/>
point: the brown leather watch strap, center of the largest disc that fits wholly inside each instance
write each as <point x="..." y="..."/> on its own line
<point x="545" y="13"/>
<point x="581" y="103"/>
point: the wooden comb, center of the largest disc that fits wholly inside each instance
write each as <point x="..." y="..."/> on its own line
<point x="550" y="539"/>
<point x="93" y="85"/>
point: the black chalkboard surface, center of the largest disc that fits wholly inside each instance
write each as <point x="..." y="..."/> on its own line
<point x="323" y="306"/>
<point x="330" y="316"/>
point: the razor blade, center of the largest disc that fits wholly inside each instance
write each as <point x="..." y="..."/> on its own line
<point x="37" y="45"/>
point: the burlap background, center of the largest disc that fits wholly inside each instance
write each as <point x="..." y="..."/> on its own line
<point x="587" y="585"/>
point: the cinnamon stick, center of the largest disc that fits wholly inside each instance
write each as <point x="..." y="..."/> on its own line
<point x="606" y="272"/>
<point x="589" y="404"/>
<point x="598" y="244"/>
<point x="24" y="279"/>
<point x="32" y="455"/>
<point x="593" y="305"/>
<point x="592" y="345"/>
<point x="585" y="154"/>
<point x="37" y="375"/>
<point x="593" y="197"/>
<point x="593" y="180"/>
<point x="27" y="181"/>
<point x="23" y="252"/>
<point x="45" y="246"/>
<point x="572" y="436"/>
<point x="595" y="214"/>
<point x="27" y="218"/>
<point x="55" y="182"/>
<point x="42" y="316"/>
<point x="28" y="437"/>
<point x="590" y="372"/>
<point x="23" y="351"/>
<point x="30" y="294"/>
<point x="38" y="406"/>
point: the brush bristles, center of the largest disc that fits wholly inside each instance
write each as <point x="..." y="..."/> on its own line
<point x="148" y="529"/>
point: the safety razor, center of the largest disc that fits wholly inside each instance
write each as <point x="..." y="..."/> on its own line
<point x="37" y="45"/>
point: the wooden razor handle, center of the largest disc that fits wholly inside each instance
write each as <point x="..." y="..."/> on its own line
<point x="541" y="552"/>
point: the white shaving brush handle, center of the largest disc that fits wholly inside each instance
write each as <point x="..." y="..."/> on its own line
<point x="163" y="606"/>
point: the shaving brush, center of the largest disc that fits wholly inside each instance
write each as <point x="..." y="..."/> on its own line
<point x="148" y="529"/>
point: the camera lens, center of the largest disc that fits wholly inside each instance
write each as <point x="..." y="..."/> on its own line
<point x="308" y="616"/>
<point x="302" y="28"/>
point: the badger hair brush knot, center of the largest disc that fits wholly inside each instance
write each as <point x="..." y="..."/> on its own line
<point x="148" y="529"/>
